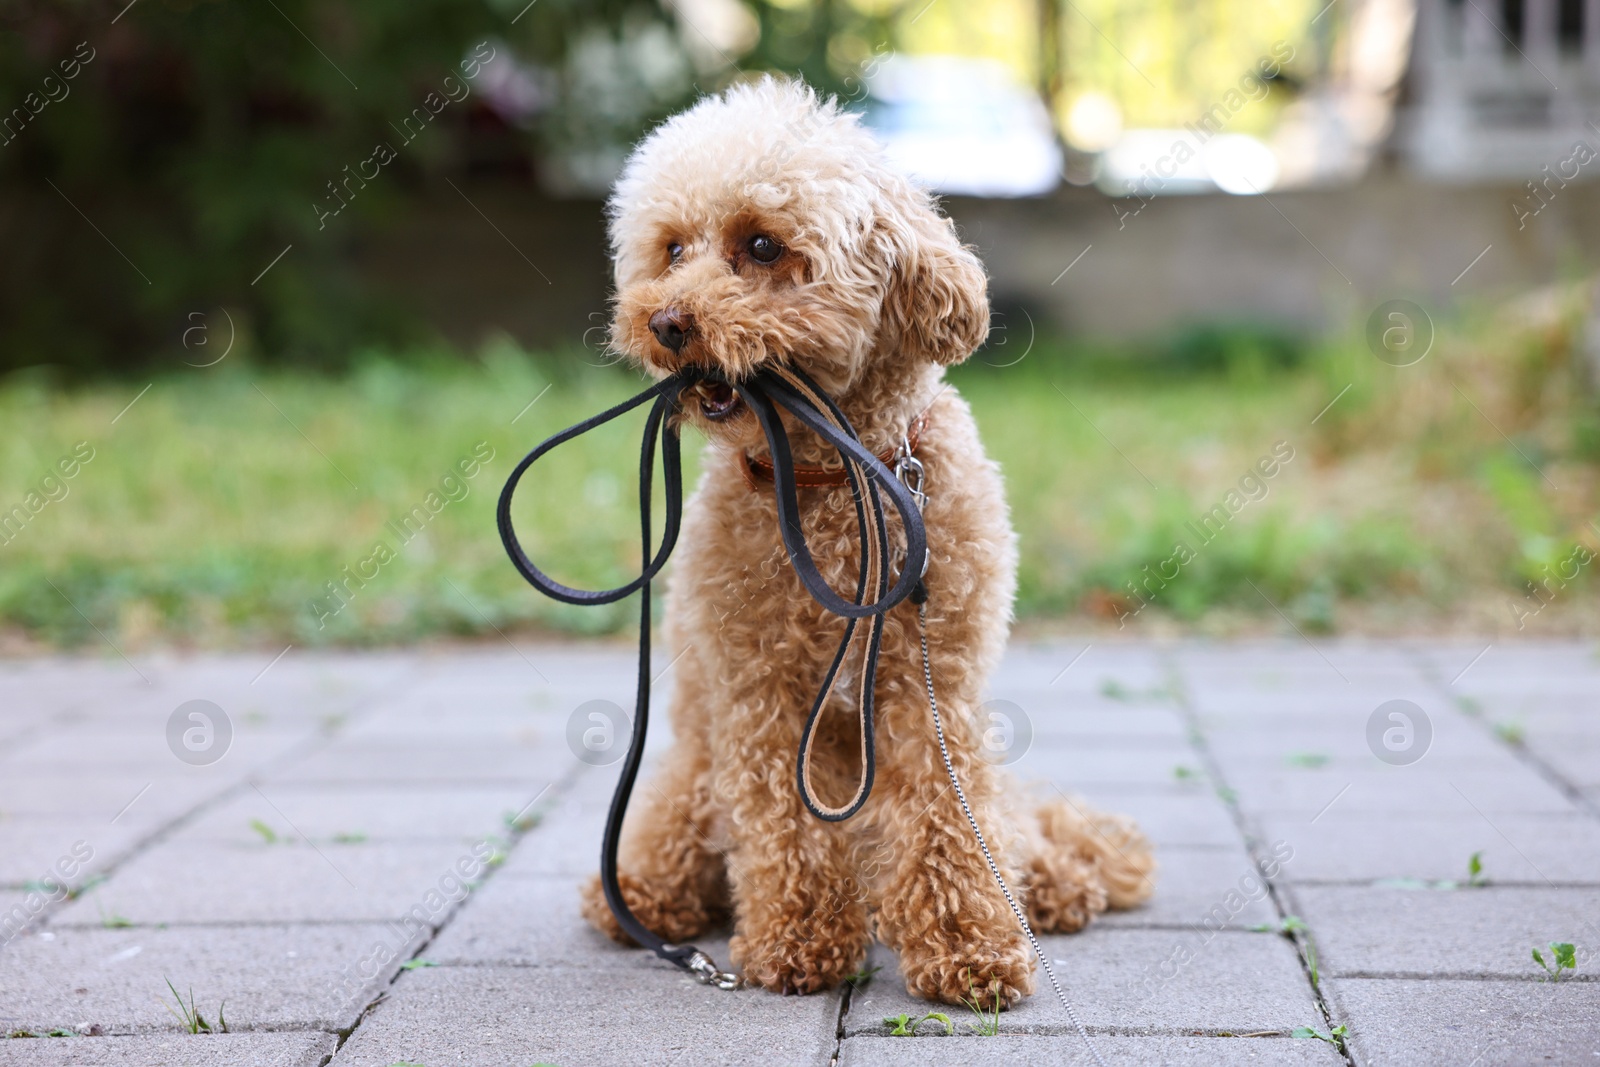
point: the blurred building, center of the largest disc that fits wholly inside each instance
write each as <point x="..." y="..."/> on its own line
<point x="1418" y="149"/>
<point x="1500" y="89"/>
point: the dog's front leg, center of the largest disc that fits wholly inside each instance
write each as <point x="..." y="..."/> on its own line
<point x="940" y="908"/>
<point x="800" y="911"/>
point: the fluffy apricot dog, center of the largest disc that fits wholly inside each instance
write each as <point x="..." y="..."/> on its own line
<point x="764" y="226"/>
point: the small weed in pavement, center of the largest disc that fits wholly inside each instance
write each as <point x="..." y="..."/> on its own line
<point x="1184" y="774"/>
<point x="988" y="1024"/>
<point x="1563" y="957"/>
<point x="1112" y="689"/>
<point x="1476" y="879"/>
<point x="412" y="965"/>
<point x="268" y="834"/>
<point x="1287" y="925"/>
<point x="520" y="824"/>
<point x="1311" y="760"/>
<point x="862" y="977"/>
<point x="1511" y="733"/>
<point x="189" y="1016"/>
<point x="1335" y="1037"/>
<point x="904" y="1026"/>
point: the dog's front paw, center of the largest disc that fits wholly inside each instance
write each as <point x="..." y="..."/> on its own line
<point x="971" y="974"/>
<point x="799" y="964"/>
<point x="674" y="917"/>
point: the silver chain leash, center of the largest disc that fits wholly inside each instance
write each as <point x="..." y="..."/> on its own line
<point x="933" y="704"/>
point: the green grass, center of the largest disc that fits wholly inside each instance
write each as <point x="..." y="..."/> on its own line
<point x="221" y="507"/>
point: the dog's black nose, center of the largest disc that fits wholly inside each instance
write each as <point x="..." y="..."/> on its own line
<point x="671" y="325"/>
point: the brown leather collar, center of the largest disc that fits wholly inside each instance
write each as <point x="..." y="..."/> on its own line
<point x="810" y="476"/>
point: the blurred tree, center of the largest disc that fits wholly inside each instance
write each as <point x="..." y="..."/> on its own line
<point x="157" y="156"/>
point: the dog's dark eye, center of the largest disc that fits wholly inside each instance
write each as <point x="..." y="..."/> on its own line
<point x="764" y="249"/>
<point x="674" y="251"/>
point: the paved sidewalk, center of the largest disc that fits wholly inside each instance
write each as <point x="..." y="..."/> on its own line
<point x="381" y="868"/>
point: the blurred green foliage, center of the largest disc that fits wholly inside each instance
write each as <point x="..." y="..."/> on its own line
<point x="219" y="507"/>
<point x="156" y="157"/>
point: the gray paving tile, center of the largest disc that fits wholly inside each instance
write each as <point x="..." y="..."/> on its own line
<point x="104" y="795"/>
<point x="511" y="1017"/>
<point x="376" y="812"/>
<point x="1511" y="788"/>
<point x="1050" y="664"/>
<point x="1136" y="981"/>
<point x="285" y="882"/>
<point x="172" y="1050"/>
<point x="567" y="840"/>
<point x="1487" y="1024"/>
<point x="95" y="748"/>
<point x="1456" y="741"/>
<point x="1217" y="886"/>
<point x="1187" y="817"/>
<point x="441" y="758"/>
<point x="31" y="847"/>
<point x="276" y="977"/>
<point x="1575" y="758"/>
<point x="1360" y="848"/>
<point x="534" y="922"/>
<point x="425" y="748"/>
<point x="1033" y="1050"/>
<point x="1085" y="769"/>
<point x="1091" y="717"/>
<point x="1375" y="932"/>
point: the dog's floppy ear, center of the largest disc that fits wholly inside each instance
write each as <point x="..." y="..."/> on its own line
<point x="936" y="302"/>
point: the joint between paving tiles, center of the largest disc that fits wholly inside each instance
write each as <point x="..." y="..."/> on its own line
<point x="1304" y="940"/>
<point x="1523" y="752"/>
<point x="209" y="803"/>
<point x="557" y="790"/>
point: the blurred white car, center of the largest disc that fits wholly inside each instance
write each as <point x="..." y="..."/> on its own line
<point x="963" y="126"/>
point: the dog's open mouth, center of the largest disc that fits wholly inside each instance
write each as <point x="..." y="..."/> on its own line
<point x="717" y="400"/>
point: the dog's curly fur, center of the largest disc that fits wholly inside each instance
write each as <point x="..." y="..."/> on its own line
<point x="872" y="295"/>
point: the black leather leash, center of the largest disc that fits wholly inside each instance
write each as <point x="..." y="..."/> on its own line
<point x="764" y="393"/>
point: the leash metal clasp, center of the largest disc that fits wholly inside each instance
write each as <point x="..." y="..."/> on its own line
<point x="909" y="472"/>
<point x="704" y="968"/>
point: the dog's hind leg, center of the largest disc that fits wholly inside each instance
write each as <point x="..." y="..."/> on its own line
<point x="672" y="875"/>
<point x="1082" y="861"/>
